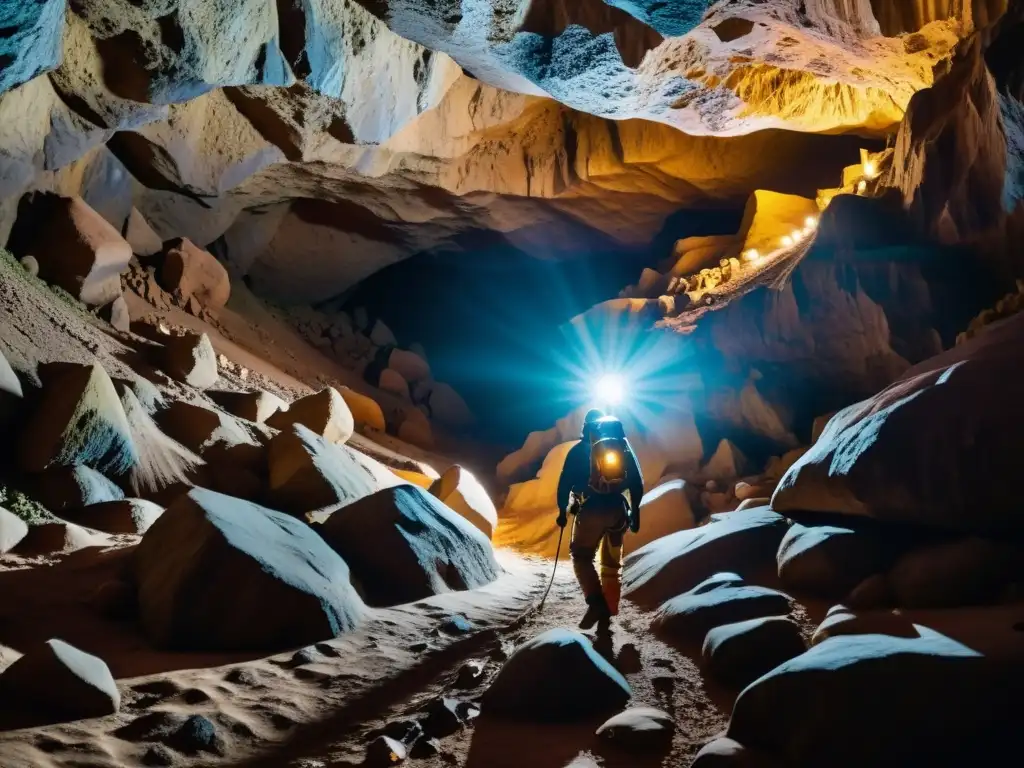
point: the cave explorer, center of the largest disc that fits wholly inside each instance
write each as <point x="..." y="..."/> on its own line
<point x="598" y="471"/>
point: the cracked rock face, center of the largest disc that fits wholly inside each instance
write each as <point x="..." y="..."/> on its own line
<point x="312" y="142"/>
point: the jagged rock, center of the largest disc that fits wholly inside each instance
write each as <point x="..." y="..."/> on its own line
<point x="639" y="729"/>
<point x="726" y="463"/>
<point x="140" y="236"/>
<point x="402" y="544"/>
<point x="366" y="412"/>
<point x="188" y="734"/>
<point x="62" y="488"/>
<point x="59" y="537"/>
<point x="162" y="462"/>
<point x="116" y="313"/>
<point x="74" y="246"/>
<point x="190" y="358"/>
<point x="691" y="615"/>
<point x="12" y="530"/>
<point x="324" y="412"/>
<point x="61" y="683"/>
<point x="830" y="560"/>
<point x="948" y="574"/>
<point x="212" y="434"/>
<point x="269" y="581"/>
<point x="446" y="716"/>
<point x="78" y="421"/>
<point x="381" y="335"/>
<point x="944" y="703"/>
<point x="448" y="408"/>
<point x="392" y="381"/>
<point x="740" y="542"/>
<point x="947" y="485"/>
<point x="462" y="492"/>
<point x="189" y="271"/>
<point x="257" y="406"/>
<point x="133" y="516"/>
<point x="410" y="365"/>
<point x="309" y="473"/>
<point x="726" y="753"/>
<point x="416" y="430"/>
<point x="32" y="41"/>
<point x="738" y="654"/>
<point x="663" y="511"/>
<point x="555" y="676"/>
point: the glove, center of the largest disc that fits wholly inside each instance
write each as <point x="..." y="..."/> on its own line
<point x="562" y="520"/>
<point x="634" y="522"/>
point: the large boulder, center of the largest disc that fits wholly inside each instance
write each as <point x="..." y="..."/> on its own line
<point x="727" y="753"/>
<point x="325" y="412"/>
<point x="939" y="412"/>
<point x="639" y="729"/>
<point x="309" y="473"/>
<point x="216" y="436"/>
<point x="59" y="682"/>
<point x="410" y="365"/>
<point x="448" y="408"/>
<point x="738" y="654"/>
<point x="12" y="530"/>
<point x="258" y="405"/>
<point x="218" y="574"/>
<point x="140" y="236"/>
<point x="392" y="381"/>
<point x="415" y="429"/>
<point x="63" y="488"/>
<point x="663" y="511"/>
<point x="188" y="270"/>
<point x="190" y="358"/>
<point x="402" y="544"/>
<point x="132" y="516"/>
<point x="841" y="620"/>
<point x="462" y="492"/>
<point x="527" y="518"/>
<point x="744" y="542"/>
<point x="830" y="560"/>
<point x="691" y="615"/>
<point x="366" y="412"/>
<point x="75" y="247"/>
<point x="962" y="571"/>
<point x="555" y="676"/>
<point x="59" y="537"/>
<point x="78" y="421"/>
<point x="726" y="463"/>
<point x="885" y="701"/>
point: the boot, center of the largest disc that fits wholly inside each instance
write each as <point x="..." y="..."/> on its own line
<point x="597" y="612"/>
<point x="612" y="589"/>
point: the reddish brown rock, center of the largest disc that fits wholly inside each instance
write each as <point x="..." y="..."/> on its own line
<point x="75" y="247"/>
<point x="416" y="430"/>
<point x="410" y="365"/>
<point x="190" y="358"/>
<point x="79" y="421"/>
<point x="133" y="516"/>
<point x="324" y="412"/>
<point x="365" y="410"/>
<point x="216" y="436"/>
<point x="192" y="272"/>
<point x="61" y="488"/>
<point x="140" y="236"/>
<point x="257" y="406"/>
<point x="309" y="473"/>
<point x="461" y="491"/>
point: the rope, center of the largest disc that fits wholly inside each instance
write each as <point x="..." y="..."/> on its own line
<point x="558" y="551"/>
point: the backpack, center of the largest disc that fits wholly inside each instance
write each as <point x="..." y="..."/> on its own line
<point x="609" y="455"/>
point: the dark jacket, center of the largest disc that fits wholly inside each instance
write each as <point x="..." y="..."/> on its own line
<point x="576" y="477"/>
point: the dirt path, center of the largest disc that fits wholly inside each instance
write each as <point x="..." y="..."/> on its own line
<point x="660" y="676"/>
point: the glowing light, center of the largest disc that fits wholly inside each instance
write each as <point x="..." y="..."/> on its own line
<point x="610" y="459"/>
<point x="811" y="222"/>
<point x="752" y="255"/>
<point x="787" y="241"/>
<point x="870" y="170"/>
<point x="797" y="235"/>
<point x="610" y="389"/>
<point x="862" y="186"/>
